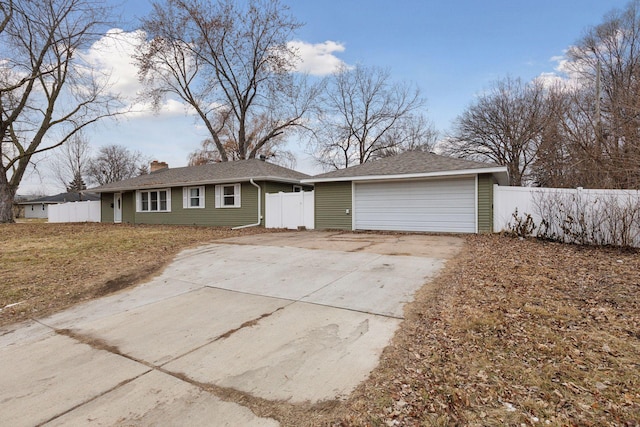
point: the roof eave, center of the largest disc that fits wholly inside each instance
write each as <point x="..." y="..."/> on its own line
<point x="195" y="183"/>
<point x="498" y="171"/>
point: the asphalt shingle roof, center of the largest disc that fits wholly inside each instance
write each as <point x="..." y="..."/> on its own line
<point x="63" y="198"/>
<point x="241" y="170"/>
<point x="410" y="162"/>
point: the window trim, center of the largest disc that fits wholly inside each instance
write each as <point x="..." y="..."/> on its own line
<point x="157" y="191"/>
<point x="186" y="197"/>
<point x="237" y="199"/>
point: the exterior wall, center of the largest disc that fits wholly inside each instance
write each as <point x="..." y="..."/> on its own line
<point x="332" y="199"/>
<point x="209" y="215"/>
<point x="485" y="203"/>
<point x="36" y="210"/>
<point x="106" y="207"/>
<point x="128" y="207"/>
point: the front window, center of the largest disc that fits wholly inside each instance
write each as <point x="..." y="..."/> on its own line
<point x="193" y="197"/>
<point x="228" y="196"/>
<point x="154" y="201"/>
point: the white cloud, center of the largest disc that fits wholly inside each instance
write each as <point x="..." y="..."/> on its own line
<point x="112" y="56"/>
<point x="318" y="59"/>
<point x="568" y="73"/>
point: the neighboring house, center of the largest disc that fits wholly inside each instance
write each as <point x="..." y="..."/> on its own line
<point x="413" y="191"/>
<point x="229" y="194"/>
<point x="39" y="208"/>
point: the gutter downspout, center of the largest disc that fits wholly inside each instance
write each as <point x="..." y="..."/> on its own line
<point x="259" y="208"/>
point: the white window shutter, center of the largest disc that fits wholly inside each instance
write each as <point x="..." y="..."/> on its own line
<point x="202" y="198"/>
<point x="138" y="201"/>
<point x="218" y="196"/>
<point x="236" y="195"/>
<point x="185" y="197"/>
<point x="168" y="200"/>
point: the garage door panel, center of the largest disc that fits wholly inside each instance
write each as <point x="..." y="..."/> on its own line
<point x="436" y="205"/>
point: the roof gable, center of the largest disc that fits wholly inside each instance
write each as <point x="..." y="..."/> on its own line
<point x="241" y="170"/>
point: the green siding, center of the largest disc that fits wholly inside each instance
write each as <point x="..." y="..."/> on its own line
<point x="128" y="207"/>
<point x="209" y="215"/>
<point x="485" y="203"/>
<point x="106" y="207"/>
<point x="247" y="213"/>
<point x="332" y="199"/>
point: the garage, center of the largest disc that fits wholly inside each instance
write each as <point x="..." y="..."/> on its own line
<point x="412" y="191"/>
<point x="438" y="205"/>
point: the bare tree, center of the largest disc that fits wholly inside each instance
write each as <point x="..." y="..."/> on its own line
<point x="48" y="92"/>
<point x="504" y="125"/>
<point x="365" y="115"/>
<point x="232" y="65"/>
<point x="114" y="163"/>
<point x="208" y="152"/>
<point x="607" y="62"/>
<point x="6" y="11"/>
<point x="414" y="134"/>
<point x="71" y="161"/>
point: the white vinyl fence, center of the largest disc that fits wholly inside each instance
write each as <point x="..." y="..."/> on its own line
<point x="88" y="211"/>
<point x="289" y="210"/>
<point x="570" y="215"/>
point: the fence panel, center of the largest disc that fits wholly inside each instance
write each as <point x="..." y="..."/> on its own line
<point x="289" y="210"/>
<point x="88" y="211"/>
<point x="574" y="215"/>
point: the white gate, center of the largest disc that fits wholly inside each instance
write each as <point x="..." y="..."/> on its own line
<point x="289" y="210"/>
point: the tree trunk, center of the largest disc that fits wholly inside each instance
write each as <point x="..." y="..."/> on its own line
<point x="7" y="194"/>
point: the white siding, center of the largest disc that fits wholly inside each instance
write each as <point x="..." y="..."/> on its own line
<point x="37" y="210"/>
<point x="444" y="205"/>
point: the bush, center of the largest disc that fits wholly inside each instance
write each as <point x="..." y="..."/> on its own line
<point x="577" y="217"/>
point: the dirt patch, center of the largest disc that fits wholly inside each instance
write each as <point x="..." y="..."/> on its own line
<point x="47" y="267"/>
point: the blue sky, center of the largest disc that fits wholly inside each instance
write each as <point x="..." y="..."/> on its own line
<point x="451" y="49"/>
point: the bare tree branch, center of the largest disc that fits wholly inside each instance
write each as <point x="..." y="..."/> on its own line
<point x="505" y="126"/>
<point x="48" y="93"/>
<point x="365" y="116"/>
<point x="231" y="64"/>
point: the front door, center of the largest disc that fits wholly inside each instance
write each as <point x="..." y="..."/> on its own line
<point x="117" y="207"/>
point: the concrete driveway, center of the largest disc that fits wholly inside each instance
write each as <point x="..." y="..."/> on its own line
<point x="295" y="317"/>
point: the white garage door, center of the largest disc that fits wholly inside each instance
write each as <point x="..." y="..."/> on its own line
<point x="434" y="205"/>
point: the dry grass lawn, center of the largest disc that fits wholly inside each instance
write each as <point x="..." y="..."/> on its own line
<point x="513" y="332"/>
<point x="47" y="267"/>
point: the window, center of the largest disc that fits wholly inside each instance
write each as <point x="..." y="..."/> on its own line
<point x="228" y="196"/>
<point x="193" y="197"/>
<point x="154" y="200"/>
<point x="297" y="188"/>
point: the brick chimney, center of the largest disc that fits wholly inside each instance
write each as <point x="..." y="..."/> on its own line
<point x="156" y="166"/>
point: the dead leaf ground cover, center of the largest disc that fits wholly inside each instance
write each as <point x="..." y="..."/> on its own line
<point x="514" y="332"/>
<point x="47" y="267"/>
